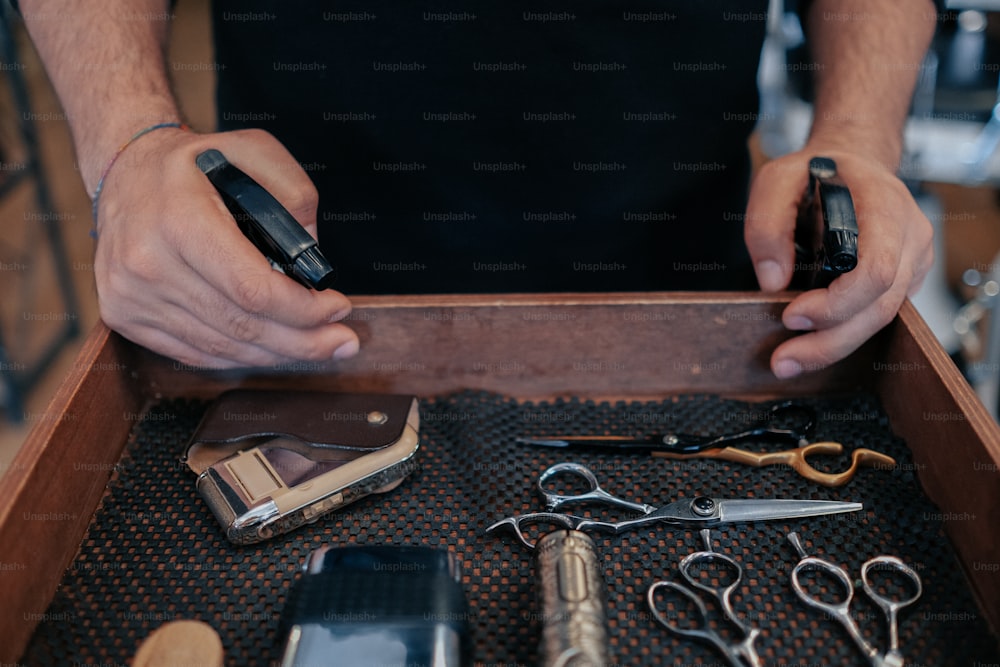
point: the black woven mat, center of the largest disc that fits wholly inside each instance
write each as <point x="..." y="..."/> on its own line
<point x="154" y="553"/>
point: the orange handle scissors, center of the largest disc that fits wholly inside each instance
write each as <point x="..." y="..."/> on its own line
<point x="796" y="459"/>
<point x="788" y="422"/>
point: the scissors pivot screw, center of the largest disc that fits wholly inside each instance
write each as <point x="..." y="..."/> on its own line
<point x="703" y="506"/>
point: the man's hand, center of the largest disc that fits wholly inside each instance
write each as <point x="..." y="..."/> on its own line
<point x="175" y="274"/>
<point x="894" y="255"/>
<point x="867" y="56"/>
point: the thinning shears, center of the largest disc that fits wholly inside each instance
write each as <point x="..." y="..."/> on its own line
<point x="698" y="511"/>
<point x="692" y="568"/>
<point x="788" y="421"/>
<point x="841" y="611"/>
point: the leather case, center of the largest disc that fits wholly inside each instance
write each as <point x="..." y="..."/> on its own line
<point x="269" y="461"/>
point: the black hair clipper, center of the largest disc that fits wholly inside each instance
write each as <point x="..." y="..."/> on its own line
<point x="826" y="232"/>
<point x="378" y="605"/>
<point x="267" y="223"/>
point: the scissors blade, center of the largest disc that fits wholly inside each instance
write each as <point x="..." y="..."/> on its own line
<point x="746" y="510"/>
<point x="600" y="442"/>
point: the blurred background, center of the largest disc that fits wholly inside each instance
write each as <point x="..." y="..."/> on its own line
<point x="48" y="302"/>
<point x="47" y="296"/>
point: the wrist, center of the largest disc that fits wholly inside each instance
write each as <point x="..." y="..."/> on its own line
<point x="97" y="146"/>
<point x="116" y="158"/>
<point x="883" y="148"/>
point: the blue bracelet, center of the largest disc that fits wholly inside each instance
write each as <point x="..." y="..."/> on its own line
<point x="114" y="158"/>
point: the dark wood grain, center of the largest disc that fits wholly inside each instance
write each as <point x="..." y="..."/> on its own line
<point x="546" y="345"/>
<point x="955" y="445"/>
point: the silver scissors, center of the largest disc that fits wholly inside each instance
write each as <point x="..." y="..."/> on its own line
<point x="699" y="511"/>
<point x="738" y="654"/>
<point x="841" y="611"/>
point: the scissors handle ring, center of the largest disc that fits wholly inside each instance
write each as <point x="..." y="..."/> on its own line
<point x="554" y="501"/>
<point x="890" y="606"/>
<point x="898" y="565"/>
<point x="840" y="611"/>
<point x="662" y="618"/>
<point x="859" y="457"/>
<point x="594" y="493"/>
<point x="705" y="634"/>
<point x="803" y="430"/>
<point x="722" y="593"/>
<point x="577" y="469"/>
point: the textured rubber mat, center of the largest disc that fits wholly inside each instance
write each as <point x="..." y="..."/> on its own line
<point x="154" y="553"/>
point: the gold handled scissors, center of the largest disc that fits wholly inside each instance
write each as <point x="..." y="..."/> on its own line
<point x="796" y="459"/>
<point x="700" y="511"/>
<point x="789" y="422"/>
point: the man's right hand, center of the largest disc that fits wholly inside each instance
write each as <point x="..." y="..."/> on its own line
<point x="175" y="274"/>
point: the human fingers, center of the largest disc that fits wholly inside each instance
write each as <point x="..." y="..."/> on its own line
<point x="769" y="225"/>
<point x="158" y="249"/>
<point x="263" y="158"/>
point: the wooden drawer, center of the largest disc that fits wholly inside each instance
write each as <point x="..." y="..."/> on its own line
<point x="527" y="346"/>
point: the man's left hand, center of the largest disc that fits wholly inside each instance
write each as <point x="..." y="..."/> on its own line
<point x="894" y="254"/>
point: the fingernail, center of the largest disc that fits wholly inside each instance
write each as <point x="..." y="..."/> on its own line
<point x="770" y="276"/>
<point x="341" y="314"/>
<point x="799" y="323"/>
<point x="787" y="368"/>
<point x="347" y="350"/>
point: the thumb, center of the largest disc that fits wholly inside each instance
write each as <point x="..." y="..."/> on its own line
<point x="769" y="225"/>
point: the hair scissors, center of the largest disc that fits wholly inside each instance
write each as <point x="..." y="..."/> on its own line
<point x="738" y="654"/>
<point x="841" y="611"/>
<point x="699" y="511"/>
<point x="788" y="421"/>
<point x="797" y="459"/>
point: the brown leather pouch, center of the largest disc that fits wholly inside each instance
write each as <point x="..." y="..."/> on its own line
<point x="270" y="461"/>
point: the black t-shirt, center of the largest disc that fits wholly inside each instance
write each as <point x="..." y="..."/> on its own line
<point x="508" y="146"/>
